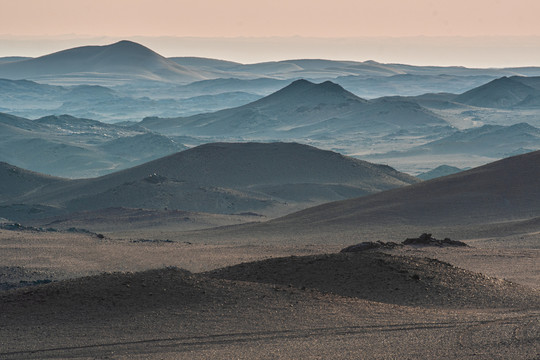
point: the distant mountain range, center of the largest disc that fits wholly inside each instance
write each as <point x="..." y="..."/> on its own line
<point x="124" y="59"/>
<point x="505" y="92"/>
<point x="322" y="69"/>
<point x="33" y="100"/>
<point x="439" y="171"/>
<point x="322" y="114"/>
<point x="303" y="110"/>
<point x="74" y="147"/>
<point x="273" y="179"/>
<point x="338" y="105"/>
<point x="463" y="149"/>
<point x="127" y="61"/>
<point x="495" y="141"/>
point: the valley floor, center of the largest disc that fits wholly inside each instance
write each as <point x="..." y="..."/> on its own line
<point x="124" y="310"/>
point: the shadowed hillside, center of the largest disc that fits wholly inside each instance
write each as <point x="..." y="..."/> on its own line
<point x="504" y="190"/>
<point x="229" y="178"/>
<point x="439" y="171"/>
<point x="504" y="92"/>
<point x="17" y="182"/>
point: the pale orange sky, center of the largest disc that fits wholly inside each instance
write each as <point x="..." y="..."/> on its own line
<point x="481" y="33"/>
<point x="232" y="18"/>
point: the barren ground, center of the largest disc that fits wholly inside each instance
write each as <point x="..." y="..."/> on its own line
<point x="339" y="306"/>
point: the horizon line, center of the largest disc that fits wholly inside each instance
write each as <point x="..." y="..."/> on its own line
<point x="482" y="52"/>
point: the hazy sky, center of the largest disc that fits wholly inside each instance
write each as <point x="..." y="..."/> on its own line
<point x="310" y="18"/>
<point x="261" y="18"/>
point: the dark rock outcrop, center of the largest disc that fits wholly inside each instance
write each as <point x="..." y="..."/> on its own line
<point x="427" y="240"/>
<point x="423" y="240"/>
<point x="368" y="245"/>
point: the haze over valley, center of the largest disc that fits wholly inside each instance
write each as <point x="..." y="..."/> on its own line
<point x="363" y="109"/>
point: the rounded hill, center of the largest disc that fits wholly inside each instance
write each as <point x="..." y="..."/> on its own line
<point x="229" y="178"/>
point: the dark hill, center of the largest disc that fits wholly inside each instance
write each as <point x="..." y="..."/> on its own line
<point x="17" y="182"/>
<point x="504" y="92"/>
<point x="125" y="57"/>
<point x="229" y="178"/>
<point x="500" y="191"/>
<point x="384" y="278"/>
<point x="303" y="91"/>
<point x="246" y="164"/>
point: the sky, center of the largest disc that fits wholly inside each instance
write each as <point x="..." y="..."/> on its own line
<point x="29" y="27"/>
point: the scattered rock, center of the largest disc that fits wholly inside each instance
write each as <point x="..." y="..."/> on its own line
<point x="155" y="179"/>
<point x="424" y="240"/>
<point x="427" y="240"/>
<point x="368" y="245"/>
<point x="84" y="231"/>
<point x="249" y="213"/>
<point x="151" y="241"/>
<point x="19" y="227"/>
